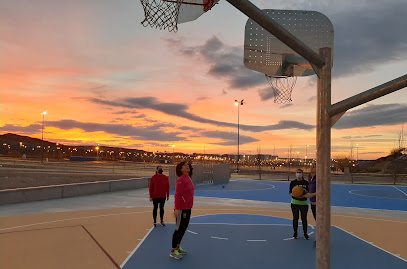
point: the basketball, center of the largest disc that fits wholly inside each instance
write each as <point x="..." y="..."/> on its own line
<point x="297" y="192"/>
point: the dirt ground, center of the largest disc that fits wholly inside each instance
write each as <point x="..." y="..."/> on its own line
<point x="18" y="173"/>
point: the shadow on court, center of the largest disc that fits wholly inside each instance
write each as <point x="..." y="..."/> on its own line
<point x="254" y="241"/>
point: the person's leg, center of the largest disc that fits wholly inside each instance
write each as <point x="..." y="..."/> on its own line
<point x="185" y="217"/>
<point x="155" y="203"/>
<point x="162" y="202"/>
<point x="314" y="211"/>
<point x="296" y="215"/>
<point x="176" y="239"/>
<point x="304" y="213"/>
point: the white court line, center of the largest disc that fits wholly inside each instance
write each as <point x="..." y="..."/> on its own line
<point x="191" y="232"/>
<point x="400" y="190"/>
<point x="373" y="196"/>
<point x="370" y="243"/>
<point x="291" y="238"/>
<point x="131" y="254"/>
<point x="221" y="238"/>
<point x="62" y="220"/>
<point x="256" y="240"/>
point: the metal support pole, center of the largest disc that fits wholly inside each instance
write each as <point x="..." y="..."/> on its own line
<point x="324" y="163"/>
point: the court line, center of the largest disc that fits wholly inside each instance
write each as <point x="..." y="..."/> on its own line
<point x="400" y="190"/>
<point x="191" y="232"/>
<point x="373" y="196"/>
<point x="220" y="238"/>
<point x="62" y="220"/>
<point x="256" y="240"/>
<point x="371" y="244"/>
<point x="134" y="250"/>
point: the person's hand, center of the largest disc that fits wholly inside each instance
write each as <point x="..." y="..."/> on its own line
<point x="151" y="199"/>
<point x="177" y="213"/>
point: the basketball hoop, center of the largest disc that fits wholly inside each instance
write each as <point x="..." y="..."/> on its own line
<point x="164" y="14"/>
<point x="282" y="87"/>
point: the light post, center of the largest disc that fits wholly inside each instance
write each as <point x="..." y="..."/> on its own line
<point x="42" y="135"/>
<point x="357" y="153"/>
<point x="173" y="159"/>
<point x="97" y="151"/>
<point x="238" y="104"/>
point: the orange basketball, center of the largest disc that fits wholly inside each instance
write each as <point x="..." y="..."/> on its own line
<point x="297" y="191"/>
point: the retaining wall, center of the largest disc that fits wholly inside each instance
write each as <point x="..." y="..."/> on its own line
<point x="22" y="195"/>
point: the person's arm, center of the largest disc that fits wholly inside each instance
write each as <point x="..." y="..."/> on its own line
<point x="167" y="182"/>
<point x="179" y="192"/>
<point x="151" y="187"/>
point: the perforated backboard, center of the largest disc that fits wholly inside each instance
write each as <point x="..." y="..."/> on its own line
<point x="265" y="53"/>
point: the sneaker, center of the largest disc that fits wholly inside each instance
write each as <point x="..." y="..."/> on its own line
<point x="162" y="223"/>
<point x="182" y="251"/>
<point x="306" y="236"/>
<point x="155" y="224"/>
<point x="295" y="235"/>
<point x="176" y="255"/>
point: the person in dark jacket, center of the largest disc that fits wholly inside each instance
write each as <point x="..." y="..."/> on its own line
<point x="159" y="191"/>
<point x="299" y="204"/>
<point x="312" y="180"/>
<point x="183" y="202"/>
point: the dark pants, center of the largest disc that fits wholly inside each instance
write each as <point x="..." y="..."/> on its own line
<point x="181" y="226"/>
<point x="314" y="211"/>
<point x="157" y="201"/>
<point x="296" y="209"/>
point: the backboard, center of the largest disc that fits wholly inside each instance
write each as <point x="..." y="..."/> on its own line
<point x="266" y="54"/>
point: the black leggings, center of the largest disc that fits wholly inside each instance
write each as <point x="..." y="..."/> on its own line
<point x="157" y="201"/>
<point x="314" y="211"/>
<point x="181" y="226"/>
<point x="296" y="209"/>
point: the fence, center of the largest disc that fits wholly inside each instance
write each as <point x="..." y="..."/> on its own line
<point x="208" y="173"/>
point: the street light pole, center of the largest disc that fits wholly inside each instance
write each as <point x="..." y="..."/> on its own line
<point x="42" y="135"/>
<point x="238" y="104"/>
<point x="173" y="159"/>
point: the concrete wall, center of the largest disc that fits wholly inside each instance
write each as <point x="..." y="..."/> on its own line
<point x="23" y="195"/>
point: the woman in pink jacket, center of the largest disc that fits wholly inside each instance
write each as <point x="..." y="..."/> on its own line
<point x="184" y="200"/>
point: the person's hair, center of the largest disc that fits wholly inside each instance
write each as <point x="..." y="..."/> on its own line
<point x="156" y="170"/>
<point x="178" y="168"/>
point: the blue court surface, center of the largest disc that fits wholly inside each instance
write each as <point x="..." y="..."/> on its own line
<point x="360" y="196"/>
<point x="254" y="241"/>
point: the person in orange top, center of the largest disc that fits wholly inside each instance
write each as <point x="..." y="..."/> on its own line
<point x="159" y="191"/>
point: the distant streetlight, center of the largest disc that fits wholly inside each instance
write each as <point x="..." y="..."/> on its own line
<point x="297" y="155"/>
<point x="238" y="104"/>
<point x="42" y="135"/>
<point x="97" y="151"/>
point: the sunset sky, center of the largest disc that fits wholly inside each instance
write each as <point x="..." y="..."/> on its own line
<point x="105" y="79"/>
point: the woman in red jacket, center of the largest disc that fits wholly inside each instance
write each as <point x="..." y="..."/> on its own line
<point x="184" y="200"/>
<point x="159" y="190"/>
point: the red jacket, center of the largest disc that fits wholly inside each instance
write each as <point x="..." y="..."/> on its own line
<point x="159" y="186"/>
<point x="184" y="193"/>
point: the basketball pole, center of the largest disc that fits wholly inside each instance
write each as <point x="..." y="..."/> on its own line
<point x="323" y="223"/>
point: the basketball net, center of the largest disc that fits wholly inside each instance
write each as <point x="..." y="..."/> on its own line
<point x="282" y="87"/>
<point x="161" y="14"/>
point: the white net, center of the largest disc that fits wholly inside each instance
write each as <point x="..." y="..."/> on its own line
<point x="161" y="14"/>
<point x="282" y="87"/>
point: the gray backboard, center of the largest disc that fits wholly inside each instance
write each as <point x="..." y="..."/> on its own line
<point x="265" y="53"/>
